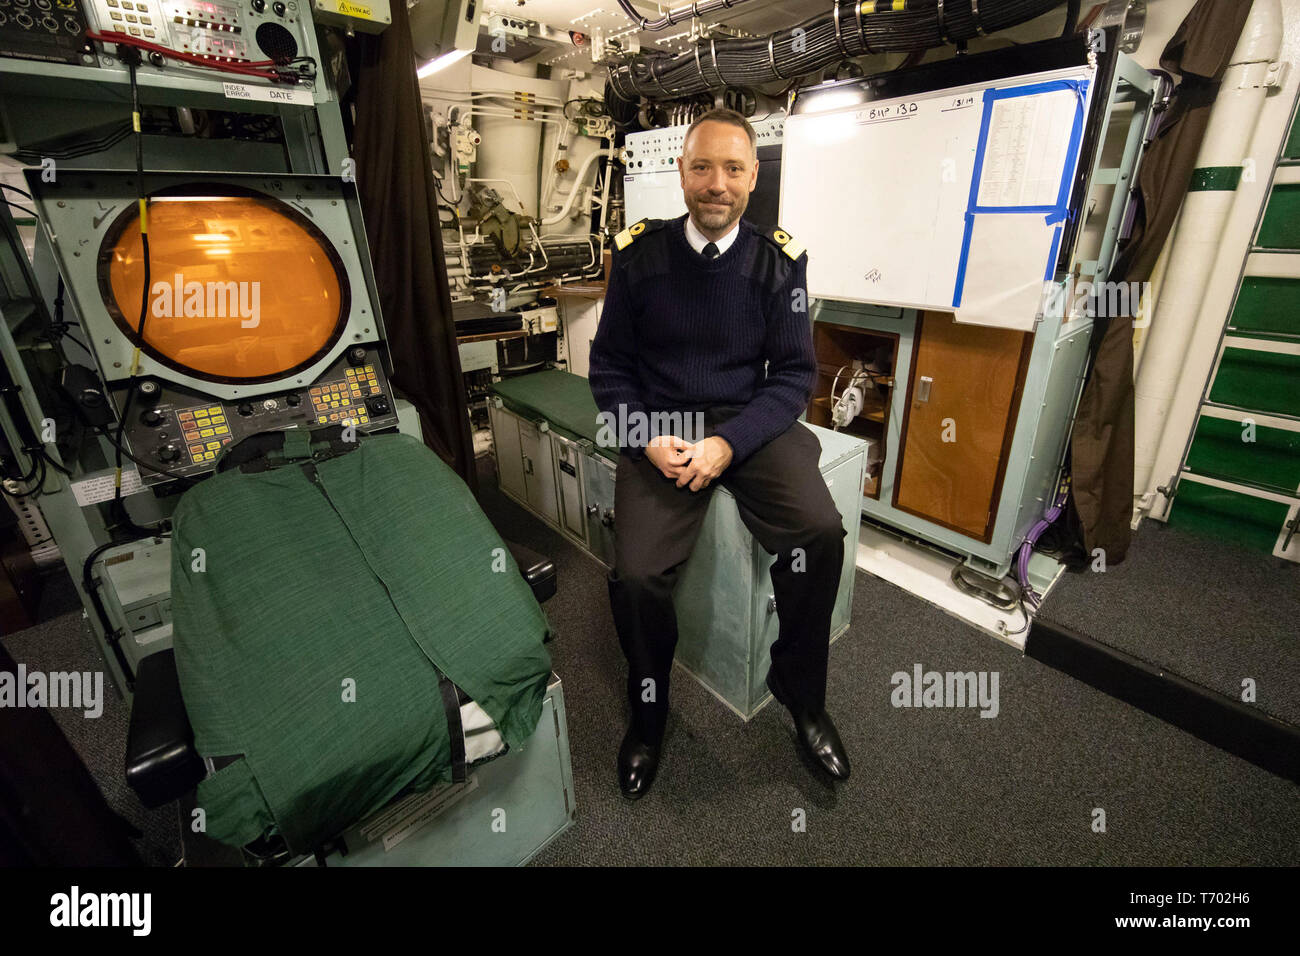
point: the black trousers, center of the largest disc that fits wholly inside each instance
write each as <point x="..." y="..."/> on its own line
<point x="784" y="502"/>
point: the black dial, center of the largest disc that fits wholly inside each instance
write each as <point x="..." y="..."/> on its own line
<point x="279" y="8"/>
<point x="153" y="418"/>
<point x="168" y="453"/>
<point x="245" y="409"/>
<point x="259" y="6"/>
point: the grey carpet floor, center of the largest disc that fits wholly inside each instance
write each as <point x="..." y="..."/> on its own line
<point x="62" y="641"/>
<point x="929" y="785"/>
<point x="1209" y="611"/>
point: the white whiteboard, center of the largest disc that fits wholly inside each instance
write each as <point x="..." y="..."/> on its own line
<point x="950" y="200"/>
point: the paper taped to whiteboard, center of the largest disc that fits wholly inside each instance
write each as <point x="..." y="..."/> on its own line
<point x="890" y="196"/>
<point x="1028" y="143"/>
<point x="998" y="290"/>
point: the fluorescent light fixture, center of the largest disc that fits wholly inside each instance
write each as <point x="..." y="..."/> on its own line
<point x="438" y="62"/>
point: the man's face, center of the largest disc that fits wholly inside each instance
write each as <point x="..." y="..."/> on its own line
<point x="718" y="171"/>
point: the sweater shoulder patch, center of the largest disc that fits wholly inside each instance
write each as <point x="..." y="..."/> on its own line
<point x="791" y="246"/>
<point x="636" y="230"/>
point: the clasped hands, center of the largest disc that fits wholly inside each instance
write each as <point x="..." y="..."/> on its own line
<point x="689" y="464"/>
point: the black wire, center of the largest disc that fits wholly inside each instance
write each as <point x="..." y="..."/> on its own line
<point x="117" y="507"/>
<point x="21" y="192"/>
<point x="66" y="471"/>
<point x="85" y="147"/>
<point x="10" y="202"/>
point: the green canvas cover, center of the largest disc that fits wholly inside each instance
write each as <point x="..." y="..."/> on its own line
<point x="561" y="398"/>
<point x="308" y="626"/>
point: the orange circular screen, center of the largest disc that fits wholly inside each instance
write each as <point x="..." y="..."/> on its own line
<point x="240" y="287"/>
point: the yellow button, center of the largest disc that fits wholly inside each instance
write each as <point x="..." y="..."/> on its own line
<point x="370" y="369"/>
<point x="365" y="418"/>
<point x="206" y="433"/>
<point x="218" y="419"/>
<point x="203" y="421"/>
<point x="222" y="430"/>
<point x="214" y="444"/>
<point x="322" y="418"/>
<point x="209" y="455"/>
<point x="215" y="410"/>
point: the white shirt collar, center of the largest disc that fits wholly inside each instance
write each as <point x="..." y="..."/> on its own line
<point x="699" y="240"/>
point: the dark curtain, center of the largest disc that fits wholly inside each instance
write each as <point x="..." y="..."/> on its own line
<point x="1101" y="450"/>
<point x="399" y="200"/>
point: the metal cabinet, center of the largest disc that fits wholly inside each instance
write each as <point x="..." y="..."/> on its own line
<point x="525" y="464"/>
<point x="568" y="455"/>
<point x="1009" y="399"/>
<point x="598" y="489"/>
<point x="726" y="612"/>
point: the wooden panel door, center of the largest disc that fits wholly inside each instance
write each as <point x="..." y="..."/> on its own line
<point x="963" y="398"/>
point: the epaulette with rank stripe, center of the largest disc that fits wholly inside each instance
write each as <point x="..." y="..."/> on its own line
<point x="791" y="246"/>
<point x="629" y="235"/>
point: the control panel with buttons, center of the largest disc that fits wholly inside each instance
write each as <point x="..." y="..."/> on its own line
<point x="224" y="31"/>
<point x="185" y="432"/>
<point x="50" y="30"/>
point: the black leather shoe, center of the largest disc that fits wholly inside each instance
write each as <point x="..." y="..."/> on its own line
<point x="637" y="763"/>
<point x="819" y="739"/>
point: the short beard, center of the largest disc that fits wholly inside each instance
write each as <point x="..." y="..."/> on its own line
<point x="715" y="221"/>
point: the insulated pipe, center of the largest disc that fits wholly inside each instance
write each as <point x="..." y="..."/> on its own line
<point x="577" y="186"/>
<point x="1178" y="353"/>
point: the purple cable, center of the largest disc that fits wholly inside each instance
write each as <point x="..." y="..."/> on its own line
<point x="1027" y="549"/>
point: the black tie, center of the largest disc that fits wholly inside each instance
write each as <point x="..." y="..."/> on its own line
<point x="710" y="250"/>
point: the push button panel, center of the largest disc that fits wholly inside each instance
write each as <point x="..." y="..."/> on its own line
<point x="185" y="431"/>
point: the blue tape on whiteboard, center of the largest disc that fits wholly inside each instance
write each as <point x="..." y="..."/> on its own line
<point x="974" y="194"/>
<point x="1052" y="214"/>
<point x="1051" y="256"/>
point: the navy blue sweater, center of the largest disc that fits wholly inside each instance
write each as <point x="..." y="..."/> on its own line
<point x="680" y="332"/>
